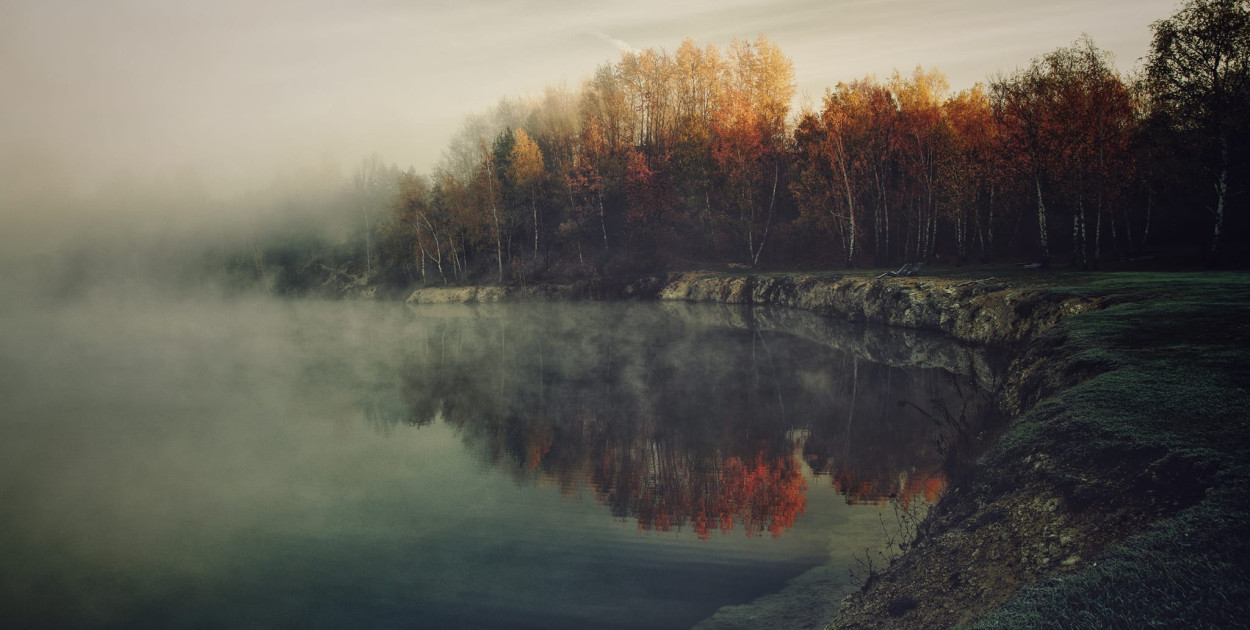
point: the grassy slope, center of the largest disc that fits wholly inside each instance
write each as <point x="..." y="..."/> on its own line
<point x="1174" y="370"/>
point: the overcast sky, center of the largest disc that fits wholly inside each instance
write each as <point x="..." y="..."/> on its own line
<point x="231" y="89"/>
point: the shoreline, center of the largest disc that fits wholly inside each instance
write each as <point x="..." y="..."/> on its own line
<point x="986" y="312"/>
<point x="1039" y="523"/>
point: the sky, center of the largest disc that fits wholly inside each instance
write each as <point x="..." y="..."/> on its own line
<point x="230" y="91"/>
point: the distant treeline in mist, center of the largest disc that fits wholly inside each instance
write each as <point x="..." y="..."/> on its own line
<point x="694" y="157"/>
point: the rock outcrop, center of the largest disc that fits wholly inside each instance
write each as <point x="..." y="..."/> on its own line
<point x="989" y="311"/>
<point x="977" y="311"/>
<point x="490" y="294"/>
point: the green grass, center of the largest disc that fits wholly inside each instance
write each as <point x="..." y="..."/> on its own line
<point x="1174" y="350"/>
<point x="1185" y="571"/>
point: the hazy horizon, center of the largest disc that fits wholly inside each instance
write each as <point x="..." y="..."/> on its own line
<point x="224" y="96"/>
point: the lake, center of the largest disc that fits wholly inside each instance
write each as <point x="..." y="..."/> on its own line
<point x="220" y="463"/>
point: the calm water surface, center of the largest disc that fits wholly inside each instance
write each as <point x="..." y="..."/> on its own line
<point x="256" y="463"/>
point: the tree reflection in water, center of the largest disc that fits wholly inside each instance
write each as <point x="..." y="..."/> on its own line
<point x="677" y="423"/>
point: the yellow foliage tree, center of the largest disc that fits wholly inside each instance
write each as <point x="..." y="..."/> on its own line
<point x="527" y="175"/>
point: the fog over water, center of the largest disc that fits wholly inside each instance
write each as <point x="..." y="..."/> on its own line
<point x="176" y="461"/>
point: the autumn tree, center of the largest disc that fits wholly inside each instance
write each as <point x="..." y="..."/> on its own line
<point x="1099" y="127"/>
<point x="586" y="187"/>
<point x="878" y="115"/>
<point x="645" y="194"/>
<point x="467" y="225"/>
<point x="411" y="209"/>
<point x="646" y="76"/>
<point x="525" y="173"/>
<point x="604" y="138"/>
<point x="696" y="82"/>
<point x="749" y="133"/>
<point x="698" y="85"/>
<point x="844" y="162"/>
<point x="1157" y="167"/>
<point x="968" y="171"/>
<point x="553" y="125"/>
<point x="922" y="140"/>
<point x="739" y="152"/>
<point x="468" y="182"/>
<point x="814" y="179"/>
<point x="827" y="179"/>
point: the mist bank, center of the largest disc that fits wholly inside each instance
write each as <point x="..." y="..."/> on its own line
<point x="175" y="234"/>
<point x="207" y="439"/>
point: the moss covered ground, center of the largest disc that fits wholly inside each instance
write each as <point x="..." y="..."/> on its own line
<point x="1170" y="394"/>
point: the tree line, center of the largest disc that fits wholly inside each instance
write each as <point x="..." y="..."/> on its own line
<point x="694" y="157"/>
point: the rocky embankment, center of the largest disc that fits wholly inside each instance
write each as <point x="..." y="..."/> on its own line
<point x="978" y="311"/>
<point x="885" y="345"/>
<point x="989" y="311"/>
<point x="487" y="294"/>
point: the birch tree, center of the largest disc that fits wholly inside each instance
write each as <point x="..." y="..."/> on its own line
<point x="1199" y="75"/>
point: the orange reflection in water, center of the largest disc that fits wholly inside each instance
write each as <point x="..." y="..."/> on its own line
<point x="860" y="489"/>
<point x="705" y="429"/>
<point x="761" y="494"/>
